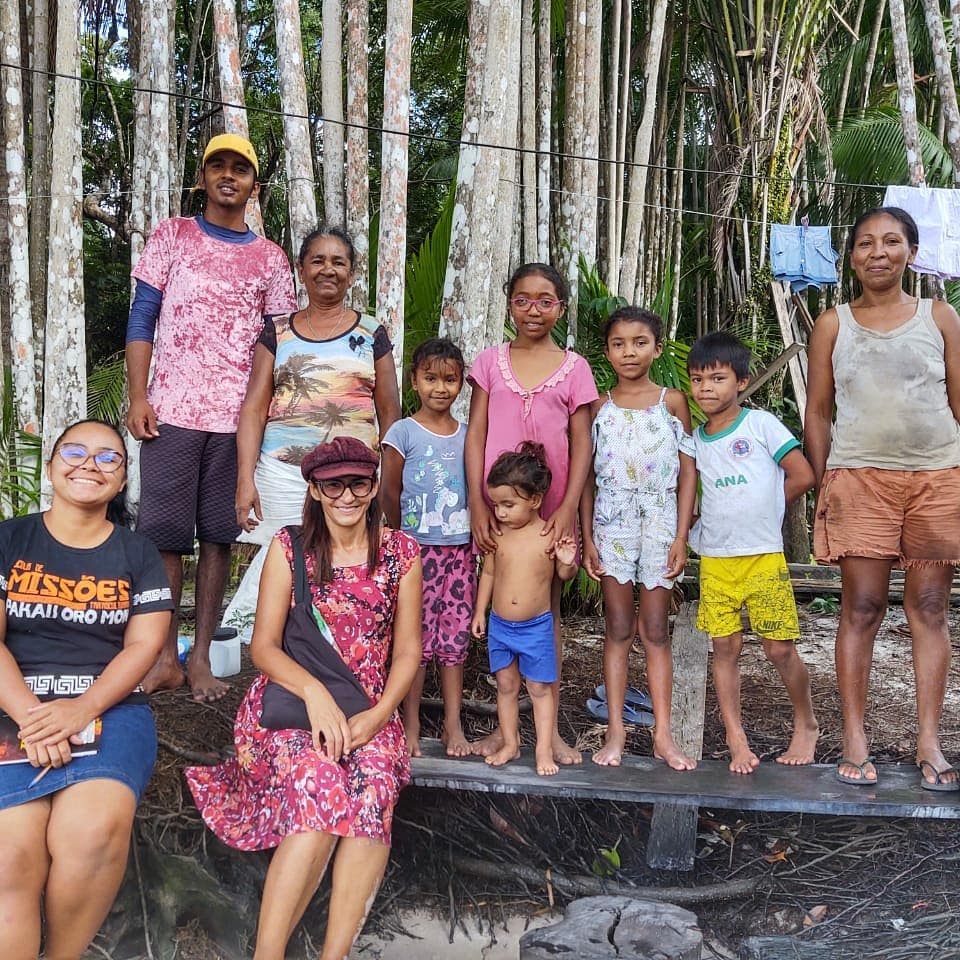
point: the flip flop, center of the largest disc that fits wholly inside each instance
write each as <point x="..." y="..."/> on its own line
<point x="641" y="718"/>
<point x="939" y="785"/>
<point x="860" y="781"/>
<point x="634" y="697"/>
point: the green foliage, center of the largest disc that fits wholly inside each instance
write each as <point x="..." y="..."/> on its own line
<point x="19" y="460"/>
<point x="607" y="862"/>
<point x="827" y="605"/>
<point x="870" y="149"/>
<point x="105" y="389"/>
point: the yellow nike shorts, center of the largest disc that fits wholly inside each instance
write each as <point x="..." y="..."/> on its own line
<point x="761" y="583"/>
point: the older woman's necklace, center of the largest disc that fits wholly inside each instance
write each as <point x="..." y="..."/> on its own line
<point x="336" y="327"/>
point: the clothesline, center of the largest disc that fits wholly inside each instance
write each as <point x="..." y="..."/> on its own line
<point x="450" y="141"/>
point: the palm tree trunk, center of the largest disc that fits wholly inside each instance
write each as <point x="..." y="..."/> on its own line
<point x="593" y="84"/>
<point x="39" y="175"/>
<point x="848" y="69"/>
<point x="231" y="87"/>
<point x="544" y="127"/>
<point x="155" y="52"/>
<point x="506" y="214"/>
<point x="948" y="92"/>
<point x="358" y="164"/>
<point x="22" y="369"/>
<point x="331" y="92"/>
<point x="907" y="93"/>
<point x="872" y="53"/>
<point x="611" y="168"/>
<point x="955" y="24"/>
<point x="391" y="252"/>
<point x="65" y="379"/>
<point x="528" y="131"/>
<point x="301" y="200"/>
<point x="631" y="271"/>
<point x="453" y="314"/>
<point x="573" y="143"/>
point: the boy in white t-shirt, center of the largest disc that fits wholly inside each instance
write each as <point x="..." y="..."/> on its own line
<point x="750" y="467"/>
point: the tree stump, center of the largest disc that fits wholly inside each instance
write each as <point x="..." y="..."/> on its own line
<point x="597" y="928"/>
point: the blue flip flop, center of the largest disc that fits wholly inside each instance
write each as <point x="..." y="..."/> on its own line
<point x="634" y="697"/>
<point x="641" y="718"/>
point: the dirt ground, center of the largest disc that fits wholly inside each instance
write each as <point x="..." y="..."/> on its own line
<point x="859" y="887"/>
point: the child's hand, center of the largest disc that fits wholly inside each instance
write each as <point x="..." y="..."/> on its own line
<point x="565" y="551"/>
<point x="484" y="527"/>
<point x="677" y="558"/>
<point x="478" y="626"/>
<point x="591" y="561"/>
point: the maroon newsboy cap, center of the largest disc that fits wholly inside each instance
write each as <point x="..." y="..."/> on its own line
<point x="341" y="457"/>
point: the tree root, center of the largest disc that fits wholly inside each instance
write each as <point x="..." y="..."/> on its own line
<point x="583" y="886"/>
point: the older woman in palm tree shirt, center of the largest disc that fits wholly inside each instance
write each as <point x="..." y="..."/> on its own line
<point x="319" y="373"/>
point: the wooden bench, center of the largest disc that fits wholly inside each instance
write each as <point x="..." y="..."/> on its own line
<point x="773" y="787"/>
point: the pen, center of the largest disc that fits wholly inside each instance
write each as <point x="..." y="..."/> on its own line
<point x="40" y="775"/>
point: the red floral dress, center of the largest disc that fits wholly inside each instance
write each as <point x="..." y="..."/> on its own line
<point x="278" y="784"/>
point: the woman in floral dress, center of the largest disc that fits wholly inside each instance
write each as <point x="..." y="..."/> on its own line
<point x="328" y="792"/>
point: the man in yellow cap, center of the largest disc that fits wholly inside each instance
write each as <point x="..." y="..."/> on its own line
<point x="204" y="285"/>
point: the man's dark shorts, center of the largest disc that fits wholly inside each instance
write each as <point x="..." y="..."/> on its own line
<point x="188" y="484"/>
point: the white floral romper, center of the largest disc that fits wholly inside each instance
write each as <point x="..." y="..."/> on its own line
<point x="637" y="462"/>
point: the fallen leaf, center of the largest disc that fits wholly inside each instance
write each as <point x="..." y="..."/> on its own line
<point x="815" y="915"/>
<point x="777" y="857"/>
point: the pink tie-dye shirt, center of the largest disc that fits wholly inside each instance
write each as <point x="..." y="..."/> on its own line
<point x="215" y="295"/>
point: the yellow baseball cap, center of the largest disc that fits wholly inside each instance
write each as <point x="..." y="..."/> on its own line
<point x="230" y="141"/>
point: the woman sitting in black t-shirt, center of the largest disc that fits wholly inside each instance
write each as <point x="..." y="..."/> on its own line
<point x="86" y="611"/>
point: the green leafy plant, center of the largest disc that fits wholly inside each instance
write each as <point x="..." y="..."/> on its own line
<point x="825" y="605"/>
<point x="20" y="455"/>
<point x="607" y="861"/>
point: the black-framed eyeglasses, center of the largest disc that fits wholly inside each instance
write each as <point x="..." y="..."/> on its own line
<point x="333" y="488"/>
<point x="76" y="454"/>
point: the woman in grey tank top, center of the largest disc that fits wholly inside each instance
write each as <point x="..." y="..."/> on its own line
<point x="887" y="464"/>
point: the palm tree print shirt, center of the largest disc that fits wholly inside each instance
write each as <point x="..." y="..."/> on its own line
<point x="322" y="389"/>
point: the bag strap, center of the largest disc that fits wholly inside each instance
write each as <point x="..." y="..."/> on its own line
<point x="301" y="582"/>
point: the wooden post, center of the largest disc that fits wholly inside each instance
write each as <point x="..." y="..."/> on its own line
<point x="788" y="330"/>
<point x="673" y="829"/>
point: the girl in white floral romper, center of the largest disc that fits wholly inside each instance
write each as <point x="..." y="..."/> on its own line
<point x="635" y="513"/>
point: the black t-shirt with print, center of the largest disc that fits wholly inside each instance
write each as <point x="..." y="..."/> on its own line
<point x="67" y="608"/>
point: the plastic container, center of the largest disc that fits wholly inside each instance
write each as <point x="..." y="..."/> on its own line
<point x="183" y="647"/>
<point x="225" y="652"/>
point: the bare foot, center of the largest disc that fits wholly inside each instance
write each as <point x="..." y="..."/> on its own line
<point x="508" y="752"/>
<point x="413" y="746"/>
<point x="801" y="749"/>
<point x="665" y="748"/>
<point x="742" y="758"/>
<point x="455" y="742"/>
<point x="490" y="744"/>
<point x="165" y="674"/>
<point x="564" y="753"/>
<point x="611" y="753"/>
<point x="203" y="684"/>
<point x="545" y="763"/>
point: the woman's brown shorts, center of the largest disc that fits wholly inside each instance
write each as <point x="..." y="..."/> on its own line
<point x="912" y="517"/>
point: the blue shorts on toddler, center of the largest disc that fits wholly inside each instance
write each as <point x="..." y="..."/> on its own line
<point x="528" y="641"/>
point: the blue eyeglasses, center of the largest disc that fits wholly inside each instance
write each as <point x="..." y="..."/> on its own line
<point x="76" y="454"/>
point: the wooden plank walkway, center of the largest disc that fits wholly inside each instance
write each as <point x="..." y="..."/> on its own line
<point x="772" y="788"/>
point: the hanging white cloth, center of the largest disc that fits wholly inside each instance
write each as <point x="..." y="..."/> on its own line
<point x="937" y="213"/>
<point x="282" y="491"/>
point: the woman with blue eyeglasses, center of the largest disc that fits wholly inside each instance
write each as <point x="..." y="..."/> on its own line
<point x="87" y="606"/>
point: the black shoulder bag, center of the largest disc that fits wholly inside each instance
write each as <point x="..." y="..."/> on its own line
<point x="306" y="642"/>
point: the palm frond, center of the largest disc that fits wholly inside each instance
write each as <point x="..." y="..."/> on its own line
<point x="105" y="389"/>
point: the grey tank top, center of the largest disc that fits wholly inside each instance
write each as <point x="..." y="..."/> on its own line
<point x="891" y="396"/>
